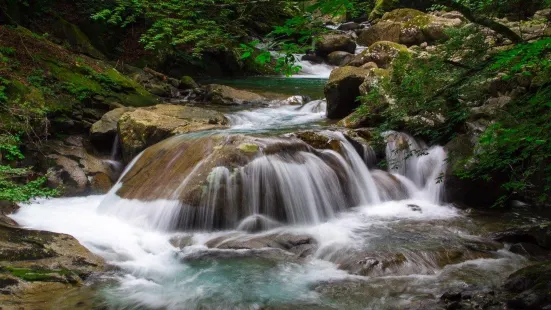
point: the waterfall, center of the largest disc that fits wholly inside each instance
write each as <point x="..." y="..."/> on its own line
<point x="413" y="159"/>
<point x="230" y="181"/>
<point x="312" y="70"/>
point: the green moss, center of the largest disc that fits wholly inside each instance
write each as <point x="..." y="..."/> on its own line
<point x="248" y="147"/>
<point x="76" y="38"/>
<point x="382" y="6"/>
<point x="137" y="100"/>
<point x="42" y="275"/>
<point x="387" y="45"/>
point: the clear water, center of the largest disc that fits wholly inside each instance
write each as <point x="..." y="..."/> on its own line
<point x="311" y="86"/>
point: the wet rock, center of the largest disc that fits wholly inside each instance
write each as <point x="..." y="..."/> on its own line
<point x="143" y="127"/>
<point x="342" y="91"/>
<point x="257" y="223"/>
<point x="6" y="208"/>
<point x="451" y="296"/>
<point x="225" y="95"/>
<point x="73" y="167"/>
<point x="296" y="100"/>
<point x="335" y="42"/>
<point x="339" y="58"/>
<point x="534" y="234"/>
<point x="312" y="58"/>
<point x="300" y="246"/>
<point x="381" y="53"/>
<point x="104" y="131"/>
<point x="32" y="255"/>
<point x="160" y="84"/>
<point x="531" y="286"/>
<point x="473" y="193"/>
<point x="186" y="82"/>
<point x="318" y="140"/>
<point x="269" y="255"/>
<point x="528" y="249"/>
<point x="349" y="26"/>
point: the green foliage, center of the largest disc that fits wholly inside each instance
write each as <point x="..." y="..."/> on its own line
<point x="517" y="144"/>
<point x="19" y="184"/>
<point x="37" y="80"/>
<point x="9" y="147"/>
<point x="194" y="25"/>
<point x="414" y="85"/>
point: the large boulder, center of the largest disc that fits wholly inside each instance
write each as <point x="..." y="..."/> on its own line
<point x="381" y="53"/>
<point x="381" y="31"/>
<point x="144" y="127"/>
<point x="73" y="167"/>
<point x="339" y="58"/>
<point x="408" y="27"/>
<point x="342" y="91"/>
<point x="32" y="258"/>
<point x="475" y="193"/>
<point x="71" y="35"/>
<point x="335" y="42"/>
<point x="530" y="286"/>
<point x="225" y="95"/>
<point x="104" y="131"/>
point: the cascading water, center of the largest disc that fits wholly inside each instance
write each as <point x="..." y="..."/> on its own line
<point x="278" y="116"/>
<point x="312" y="70"/>
<point x="227" y="221"/>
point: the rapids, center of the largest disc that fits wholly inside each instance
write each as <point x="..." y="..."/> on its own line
<point x="195" y="224"/>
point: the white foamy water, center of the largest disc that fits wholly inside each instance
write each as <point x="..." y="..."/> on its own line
<point x="336" y="198"/>
<point x="153" y="274"/>
<point x="312" y="70"/>
<point x="279" y="116"/>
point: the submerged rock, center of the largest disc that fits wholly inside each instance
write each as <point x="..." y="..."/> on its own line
<point x="144" y="127"/>
<point x="299" y="245"/>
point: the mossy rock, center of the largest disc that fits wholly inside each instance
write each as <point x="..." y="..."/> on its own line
<point x="187" y="82"/>
<point x="144" y="127"/>
<point x="78" y="41"/>
<point x="410" y="17"/>
<point x="342" y="91"/>
<point x="335" y="42"/>
<point x="381" y="53"/>
<point x="382" y="6"/>
<point x="249" y="147"/>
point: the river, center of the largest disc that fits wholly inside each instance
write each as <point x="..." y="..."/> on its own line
<point x="377" y="240"/>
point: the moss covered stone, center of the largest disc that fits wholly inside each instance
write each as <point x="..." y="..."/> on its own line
<point x="342" y="91"/>
<point x="248" y="147"/>
<point x="78" y="41"/>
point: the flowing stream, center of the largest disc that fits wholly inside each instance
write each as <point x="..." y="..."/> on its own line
<point x="195" y="224"/>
